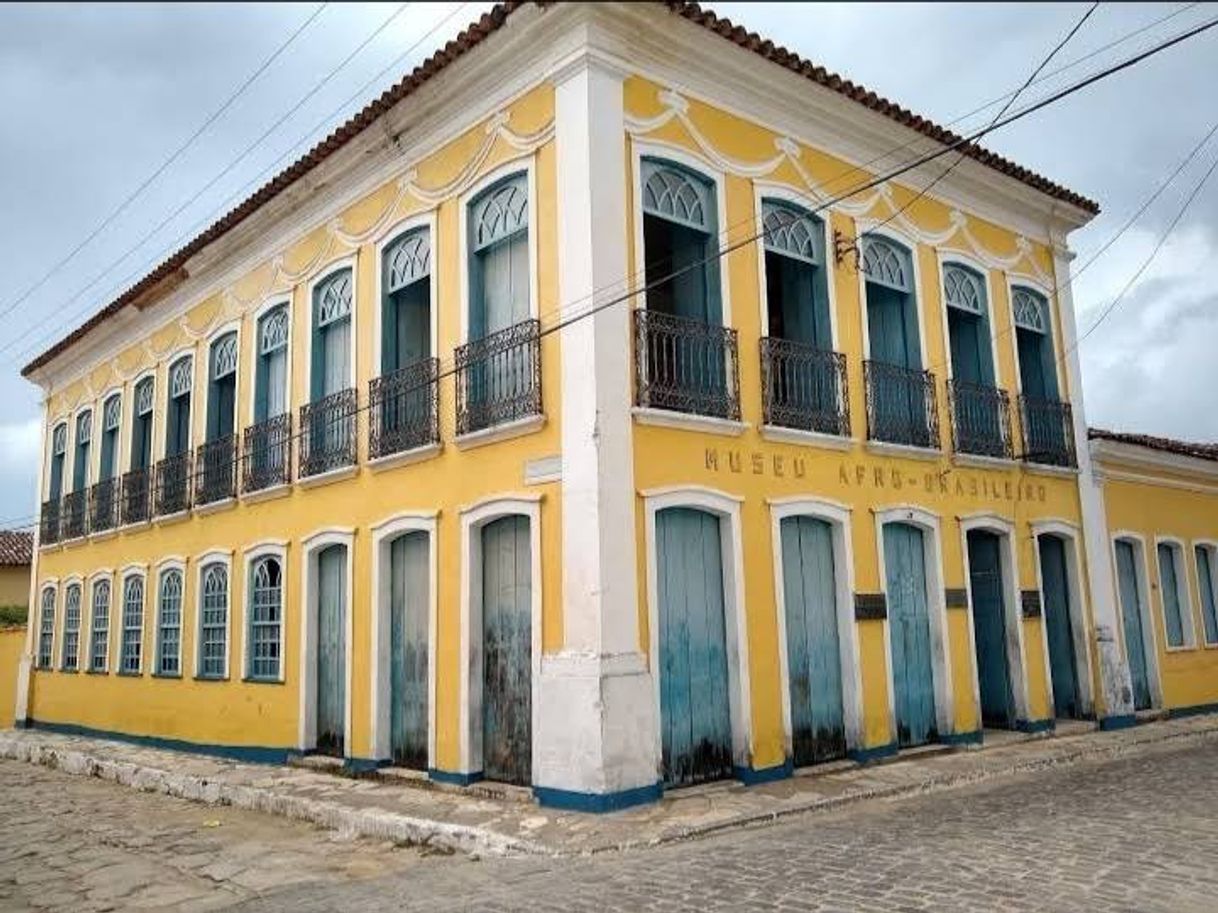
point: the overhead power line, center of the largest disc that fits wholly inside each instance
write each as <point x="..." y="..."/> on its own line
<point x="173" y="157"/>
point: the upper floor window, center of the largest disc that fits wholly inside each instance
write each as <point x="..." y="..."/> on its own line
<point x="46" y="627"/>
<point x="1034" y="342"/>
<point x="59" y="454"/>
<point x="797" y="293"/>
<point x="80" y="459"/>
<point x="271" y="372"/>
<point x="112" y="419"/>
<point x="499" y="257"/>
<point x="406" y="301"/>
<point x="222" y="387"/>
<point x="892" y="308"/>
<point x="177" y="413"/>
<point x="331" y="368"/>
<point x="141" y="427"/>
<point x="968" y="325"/>
<point x="680" y="242"/>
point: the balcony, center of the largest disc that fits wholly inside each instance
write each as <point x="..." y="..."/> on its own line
<point x="327" y="430"/>
<point x="804" y="387"/>
<point x="499" y="378"/>
<point x="1048" y="432"/>
<point x="172" y="485"/>
<point x="103" y="505"/>
<point x="266" y="455"/>
<point x="981" y="419"/>
<point x="216" y="470"/>
<point x="403" y="409"/>
<point x="48" y="523"/>
<point x="136" y="499"/>
<point x="684" y="365"/>
<point x="75" y="517"/>
<point x="901" y="405"/>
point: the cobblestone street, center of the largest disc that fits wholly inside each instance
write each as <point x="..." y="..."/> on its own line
<point x="1138" y="833"/>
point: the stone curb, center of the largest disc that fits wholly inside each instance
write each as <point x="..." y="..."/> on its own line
<point x="376" y="823"/>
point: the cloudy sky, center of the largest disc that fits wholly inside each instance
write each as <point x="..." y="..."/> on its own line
<point x="97" y="97"/>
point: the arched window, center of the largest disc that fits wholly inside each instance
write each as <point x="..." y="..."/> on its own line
<point x="887" y="264"/>
<point x="80" y="459"/>
<point x="680" y="241"/>
<point x="406" y="301"/>
<point x="99" y="629"/>
<point x="169" y="624"/>
<point x="331" y="369"/>
<point x="222" y="387"/>
<point x="968" y="325"/>
<point x="46" y="627"/>
<point x="213" y="622"/>
<point x="59" y="454"/>
<point x="265" y="619"/>
<point x="133" y="626"/>
<point x="271" y="375"/>
<point x="177" y="415"/>
<point x="141" y="427"/>
<point x="499" y="257"/>
<point x="797" y="293"/>
<point x="1034" y="343"/>
<point x="112" y="419"/>
<point x="70" y="661"/>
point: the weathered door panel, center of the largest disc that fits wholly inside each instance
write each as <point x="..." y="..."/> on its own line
<point x="408" y="623"/>
<point x="331" y="649"/>
<point x="909" y="632"/>
<point x="818" y="731"/>
<point x="1059" y="627"/>
<point x="989" y="627"/>
<point x="695" y="714"/>
<point x="1131" y="621"/>
<point x="507" y="644"/>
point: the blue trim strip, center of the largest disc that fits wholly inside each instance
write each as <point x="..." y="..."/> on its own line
<point x="597" y="803"/>
<point x="362" y="765"/>
<point x="1036" y="725"/>
<point x="961" y="738"/>
<point x="751" y="776"/>
<point x="456" y="779"/>
<point x="874" y="753"/>
<point x="1110" y="723"/>
<point x="250" y="753"/>
<point x="1194" y="710"/>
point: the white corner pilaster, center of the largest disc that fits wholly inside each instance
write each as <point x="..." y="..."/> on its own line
<point x="596" y="732"/>
<point x="1116" y="689"/>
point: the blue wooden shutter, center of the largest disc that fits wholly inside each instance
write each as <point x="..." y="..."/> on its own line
<point x="1131" y="618"/>
<point x="409" y="611"/>
<point x="909" y="629"/>
<point x="331" y="649"/>
<point x="1205" y="582"/>
<point x="1169" y="590"/>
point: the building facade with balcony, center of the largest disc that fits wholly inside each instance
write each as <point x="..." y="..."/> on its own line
<point x="577" y="429"/>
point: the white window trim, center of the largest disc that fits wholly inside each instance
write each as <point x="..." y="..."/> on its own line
<point x="201" y="563"/>
<point x="1211" y="547"/>
<point x="65" y="420"/>
<point x="51" y="583"/>
<point x="129" y="427"/>
<point x="838" y="518"/>
<point x="765" y="190"/>
<point x="252" y="392"/>
<point x="174" y="563"/>
<point x="74" y="448"/>
<point x="1184" y="593"/>
<point x="875" y="228"/>
<point x="473" y="518"/>
<point x="160" y="448"/>
<point x="1012" y="614"/>
<point x="1150" y="634"/>
<point x="641" y="149"/>
<point x="127" y="573"/>
<point x="1030" y="282"/>
<point x="57" y="662"/>
<point x="347" y="261"/>
<point x="310" y="546"/>
<point x="119" y="450"/>
<point x="94" y="579"/>
<point x="425" y="220"/>
<point x="936" y="606"/>
<point x="944" y="258"/>
<point x="1080" y="625"/>
<point x="384" y="533"/>
<point x="526" y="164"/>
<point x="249" y="557"/>
<point x="727" y="508"/>
<point x="205" y="400"/>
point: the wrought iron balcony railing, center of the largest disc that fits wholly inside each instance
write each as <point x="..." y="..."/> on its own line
<point x="266" y="455"/>
<point x="901" y="405"/>
<point x="804" y="387"/>
<point x="137" y="499"/>
<point x="48" y="522"/>
<point x="499" y="377"/>
<point x="328" y="433"/>
<point x="685" y="365"/>
<point x="172" y="486"/>
<point x="1048" y="432"/>
<point x="216" y="470"/>
<point x="103" y="505"/>
<point x="981" y="419"/>
<point x="75" y="518"/>
<point x="403" y="409"/>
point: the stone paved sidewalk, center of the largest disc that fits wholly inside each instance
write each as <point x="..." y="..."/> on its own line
<point x="473" y="821"/>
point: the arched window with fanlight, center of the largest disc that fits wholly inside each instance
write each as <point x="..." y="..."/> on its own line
<point x="46" y="627"/>
<point x="216" y="465"/>
<point x="328" y="420"/>
<point x="271" y="371"/>
<point x="1048" y="427"/>
<point x="177" y="414"/>
<point x="265" y="619"/>
<point x="980" y="418"/>
<point x="169" y="624"/>
<point x="213" y="621"/>
<point x="80" y="459"/>
<point x="59" y="456"/>
<point x="141" y="425"/>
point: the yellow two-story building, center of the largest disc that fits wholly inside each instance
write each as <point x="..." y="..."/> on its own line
<point x="588" y="413"/>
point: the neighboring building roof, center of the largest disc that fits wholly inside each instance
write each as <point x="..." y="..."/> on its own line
<point x="16" y="548"/>
<point x="1202" y="451"/>
<point x="475" y="34"/>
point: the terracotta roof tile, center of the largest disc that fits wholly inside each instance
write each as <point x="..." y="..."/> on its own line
<point x="16" y="548"/>
<point x="467" y="40"/>
<point x="1200" y="450"/>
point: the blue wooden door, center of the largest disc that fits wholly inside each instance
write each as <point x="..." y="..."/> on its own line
<point x="818" y="730"/>
<point x="1169" y="591"/>
<point x="507" y="645"/>
<point x="1131" y="620"/>
<point x="1060" y="628"/>
<point x="695" y="715"/>
<point x="331" y="649"/>
<point x="409" y="586"/>
<point x="989" y="630"/>
<point x="909" y="632"/>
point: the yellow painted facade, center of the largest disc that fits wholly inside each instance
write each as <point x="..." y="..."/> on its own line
<point x="14" y="585"/>
<point x="12" y="641"/>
